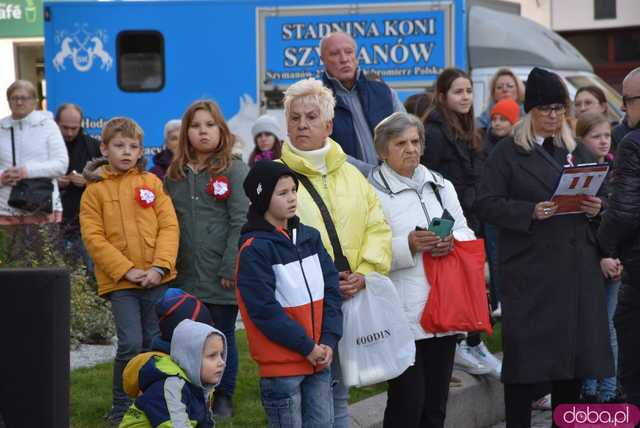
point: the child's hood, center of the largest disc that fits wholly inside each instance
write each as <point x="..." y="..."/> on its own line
<point x="98" y="169"/>
<point x="257" y="227"/>
<point x="187" y="345"/>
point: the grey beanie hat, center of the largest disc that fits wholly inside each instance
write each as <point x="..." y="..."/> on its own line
<point x="266" y="123"/>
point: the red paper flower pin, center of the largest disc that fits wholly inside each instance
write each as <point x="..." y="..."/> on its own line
<point x="145" y="196"/>
<point x="218" y="187"/>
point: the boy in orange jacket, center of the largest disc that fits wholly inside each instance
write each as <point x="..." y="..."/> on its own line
<point x="130" y="230"/>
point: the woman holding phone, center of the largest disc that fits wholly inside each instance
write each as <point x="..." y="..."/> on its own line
<point x="407" y="191"/>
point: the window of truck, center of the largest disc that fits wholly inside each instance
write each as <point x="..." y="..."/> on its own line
<point x="140" y="61"/>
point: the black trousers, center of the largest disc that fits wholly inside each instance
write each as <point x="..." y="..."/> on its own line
<point x="627" y="322"/>
<point x="418" y="397"/>
<point x="518" y="398"/>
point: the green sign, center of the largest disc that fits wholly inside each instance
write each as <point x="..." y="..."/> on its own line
<point x="21" y="18"/>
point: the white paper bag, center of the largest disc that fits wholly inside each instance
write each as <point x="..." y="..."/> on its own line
<point x="377" y="344"/>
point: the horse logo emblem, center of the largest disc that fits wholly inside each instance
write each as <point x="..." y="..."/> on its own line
<point x="82" y="47"/>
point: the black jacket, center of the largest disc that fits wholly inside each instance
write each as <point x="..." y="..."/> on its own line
<point x="554" y="311"/>
<point x="457" y="162"/>
<point x="619" y="233"/>
<point x="81" y="150"/>
<point x="618" y="133"/>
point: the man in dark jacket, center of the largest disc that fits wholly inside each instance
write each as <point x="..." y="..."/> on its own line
<point x="81" y="149"/>
<point x="619" y="235"/>
<point x="360" y="103"/>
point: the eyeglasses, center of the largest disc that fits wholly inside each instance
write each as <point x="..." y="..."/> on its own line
<point x="626" y="100"/>
<point x="546" y="110"/>
<point x="20" y="99"/>
<point x="505" y="86"/>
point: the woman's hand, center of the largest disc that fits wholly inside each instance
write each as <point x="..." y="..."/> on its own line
<point x="422" y="240"/>
<point x="544" y="210"/>
<point x="443" y="247"/>
<point x="350" y="284"/>
<point x="227" y="283"/>
<point x="11" y="176"/>
<point x="591" y="206"/>
<point x="611" y="268"/>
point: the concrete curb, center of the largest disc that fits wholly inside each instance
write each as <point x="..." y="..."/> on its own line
<point x="477" y="403"/>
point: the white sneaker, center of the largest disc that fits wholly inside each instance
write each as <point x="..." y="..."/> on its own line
<point x="486" y="358"/>
<point x="497" y="313"/>
<point x="465" y="361"/>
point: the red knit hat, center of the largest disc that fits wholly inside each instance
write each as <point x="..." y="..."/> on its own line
<point x="508" y="109"/>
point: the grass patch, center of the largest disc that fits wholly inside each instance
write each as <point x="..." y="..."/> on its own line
<point x="494" y="342"/>
<point x="91" y="393"/>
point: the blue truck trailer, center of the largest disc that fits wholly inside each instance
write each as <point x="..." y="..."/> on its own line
<point x="151" y="59"/>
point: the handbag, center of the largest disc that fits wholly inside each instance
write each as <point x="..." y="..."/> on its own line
<point x="34" y="195"/>
<point x="377" y="343"/>
<point x="458" y="298"/>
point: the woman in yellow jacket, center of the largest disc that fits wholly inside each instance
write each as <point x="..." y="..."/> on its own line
<point x="353" y="205"/>
<point x="130" y="230"/>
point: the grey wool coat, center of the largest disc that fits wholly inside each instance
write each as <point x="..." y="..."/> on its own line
<point x="209" y="232"/>
<point x="554" y="305"/>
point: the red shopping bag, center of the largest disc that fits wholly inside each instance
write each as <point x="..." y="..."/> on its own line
<point x="458" y="297"/>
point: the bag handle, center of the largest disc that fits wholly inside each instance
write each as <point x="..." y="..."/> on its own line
<point x="341" y="262"/>
<point x="13" y="147"/>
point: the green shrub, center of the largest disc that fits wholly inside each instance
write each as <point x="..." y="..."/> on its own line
<point x="41" y="246"/>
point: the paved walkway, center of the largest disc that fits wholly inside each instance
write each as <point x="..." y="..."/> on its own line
<point x="539" y="419"/>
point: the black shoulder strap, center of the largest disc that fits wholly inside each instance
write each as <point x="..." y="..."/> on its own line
<point x="13" y="148"/>
<point x="445" y="212"/>
<point x="341" y="262"/>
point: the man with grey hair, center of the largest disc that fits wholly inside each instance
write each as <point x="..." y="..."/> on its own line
<point x="360" y="103"/>
<point x="619" y="236"/>
<point x="81" y="148"/>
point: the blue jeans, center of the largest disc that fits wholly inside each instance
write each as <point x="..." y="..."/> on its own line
<point x="136" y="325"/>
<point x="224" y="319"/>
<point x="298" y="401"/>
<point x="340" y="395"/>
<point x="608" y="386"/>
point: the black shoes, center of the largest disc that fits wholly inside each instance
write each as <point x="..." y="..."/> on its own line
<point x="222" y="406"/>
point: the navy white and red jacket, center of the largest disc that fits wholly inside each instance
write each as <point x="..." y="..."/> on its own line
<point x="287" y="289"/>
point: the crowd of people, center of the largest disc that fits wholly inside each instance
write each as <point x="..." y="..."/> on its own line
<point x="352" y="190"/>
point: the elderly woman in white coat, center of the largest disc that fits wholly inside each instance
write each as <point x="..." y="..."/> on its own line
<point x="418" y="397"/>
<point x="40" y="151"/>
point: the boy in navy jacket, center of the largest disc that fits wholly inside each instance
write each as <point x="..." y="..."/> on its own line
<point x="287" y="287"/>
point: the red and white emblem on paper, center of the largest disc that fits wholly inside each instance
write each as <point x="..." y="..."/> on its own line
<point x="219" y="188"/>
<point x="145" y="196"/>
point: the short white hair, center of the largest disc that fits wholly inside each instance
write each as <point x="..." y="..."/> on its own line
<point x="311" y="91"/>
<point x="170" y="126"/>
<point x="324" y="39"/>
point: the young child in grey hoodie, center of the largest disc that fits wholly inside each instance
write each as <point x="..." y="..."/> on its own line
<point x="177" y="388"/>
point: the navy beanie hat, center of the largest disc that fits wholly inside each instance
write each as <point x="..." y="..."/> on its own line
<point x="176" y="306"/>
<point x="261" y="181"/>
<point x="543" y="88"/>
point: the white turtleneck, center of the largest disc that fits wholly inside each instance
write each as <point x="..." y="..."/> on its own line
<point x="317" y="158"/>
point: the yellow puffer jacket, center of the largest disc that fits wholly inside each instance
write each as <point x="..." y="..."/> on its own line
<point x="119" y="232"/>
<point x="364" y="234"/>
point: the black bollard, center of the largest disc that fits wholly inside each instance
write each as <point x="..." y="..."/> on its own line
<point x="34" y="338"/>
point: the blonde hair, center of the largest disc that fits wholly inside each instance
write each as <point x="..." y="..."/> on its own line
<point x="507" y="72"/>
<point x="126" y="127"/>
<point x="525" y="137"/>
<point x="311" y="91"/>
<point x="22" y="84"/>
<point x="589" y="120"/>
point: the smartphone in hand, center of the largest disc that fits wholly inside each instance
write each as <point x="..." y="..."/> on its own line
<point x="441" y="227"/>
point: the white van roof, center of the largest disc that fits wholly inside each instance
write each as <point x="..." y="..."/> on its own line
<point x="499" y="39"/>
